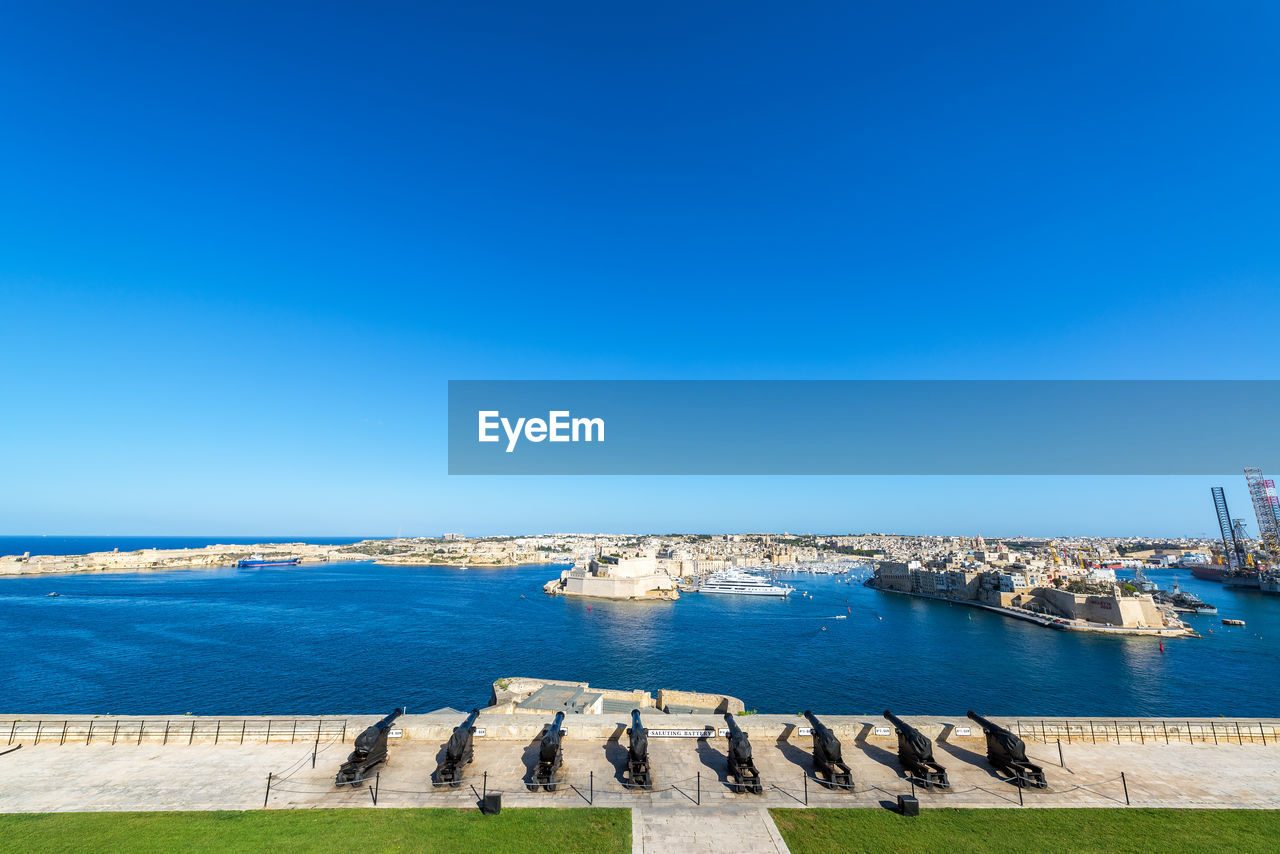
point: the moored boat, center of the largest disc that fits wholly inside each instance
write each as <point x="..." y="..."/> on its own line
<point x="1209" y="572"/>
<point x="743" y="584"/>
<point x="261" y="560"/>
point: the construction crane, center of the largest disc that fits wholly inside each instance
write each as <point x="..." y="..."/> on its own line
<point x="1266" y="506"/>
<point x="1230" y="546"/>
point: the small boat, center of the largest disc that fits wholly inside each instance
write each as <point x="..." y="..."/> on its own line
<point x="1227" y="622"/>
<point x="53" y="594"/>
<point x="260" y="560"/>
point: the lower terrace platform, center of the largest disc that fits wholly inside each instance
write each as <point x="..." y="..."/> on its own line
<point x="127" y="763"/>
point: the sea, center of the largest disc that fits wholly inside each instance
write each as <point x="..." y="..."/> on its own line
<point x="358" y="638"/>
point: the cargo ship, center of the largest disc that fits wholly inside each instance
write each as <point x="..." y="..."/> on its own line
<point x="1246" y="579"/>
<point x="1209" y="572"/>
<point x="260" y="560"/>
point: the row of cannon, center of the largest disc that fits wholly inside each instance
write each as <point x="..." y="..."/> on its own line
<point x="1006" y="752"/>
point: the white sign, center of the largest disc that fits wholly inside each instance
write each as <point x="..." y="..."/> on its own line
<point x="680" y="733"/>
<point x="884" y="730"/>
<point x="395" y="733"/>
<point x="723" y="732"/>
<point x="804" y="730"/>
<point x="963" y="730"/>
<point x="479" y="730"/>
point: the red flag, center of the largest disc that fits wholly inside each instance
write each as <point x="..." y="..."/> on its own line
<point x="1162" y="646"/>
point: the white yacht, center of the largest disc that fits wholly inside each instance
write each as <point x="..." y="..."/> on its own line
<point x="742" y="583"/>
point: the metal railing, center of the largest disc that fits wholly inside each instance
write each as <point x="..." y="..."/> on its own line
<point x="172" y="730"/>
<point x="1158" y="730"/>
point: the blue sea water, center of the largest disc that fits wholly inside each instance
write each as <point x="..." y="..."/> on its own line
<point x="360" y="638"/>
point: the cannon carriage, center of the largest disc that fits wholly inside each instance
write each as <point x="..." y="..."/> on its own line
<point x="550" y="757"/>
<point x="1007" y="753"/>
<point x="828" y="764"/>
<point x="638" y="776"/>
<point x="915" y="755"/>
<point x="458" y="753"/>
<point x="742" y="771"/>
<point x="370" y="751"/>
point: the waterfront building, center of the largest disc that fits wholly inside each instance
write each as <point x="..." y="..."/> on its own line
<point x="615" y="577"/>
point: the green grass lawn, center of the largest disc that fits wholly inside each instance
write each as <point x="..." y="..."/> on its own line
<point x="1030" y="830"/>
<point x="367" y="831"/>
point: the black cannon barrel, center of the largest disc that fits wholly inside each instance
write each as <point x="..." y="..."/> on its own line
<point x="553" y="731"/>
<point x="375" y="734"/>
<point x="733" y="724"/>
<point x="471" y="719"/>
<point x="987" y="724"/>
<point x="899" y="722"/>
<point x="389" y="719"/>
<point x="812" y="718"/>
<point x="635" y="719"/>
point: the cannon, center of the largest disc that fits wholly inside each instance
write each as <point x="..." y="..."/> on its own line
<point x="915" y="755"/>
<point x="458" y="752"/>
<point x="638" y="754"/>
<point x="1008" y="754"/>
<point x="549" y="757"/>
<point x="370" y="751"/>
<point x="741" y="769"/>
<point x="826" y="755"/>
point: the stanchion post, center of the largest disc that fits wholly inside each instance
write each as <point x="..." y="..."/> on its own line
<point x="1020" y="803"/>
<point x="591" y="801"/>
<point x="699" y="800"/>
<point x="484" y="786"/>
<point x="805" y="777"/>
<point x="1062" y="763"/>
<point x="1125" y="783"/>
<point x="268" y="794"/>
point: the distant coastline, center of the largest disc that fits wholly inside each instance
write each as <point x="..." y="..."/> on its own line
<point x="389" y="552"/>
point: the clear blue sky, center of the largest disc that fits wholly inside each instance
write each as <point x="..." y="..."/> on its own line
<point x="243" y="247"/>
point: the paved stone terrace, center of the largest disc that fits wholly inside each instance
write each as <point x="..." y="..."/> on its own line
<point x="63" y="773"/>
<point x="203" y="764"/>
